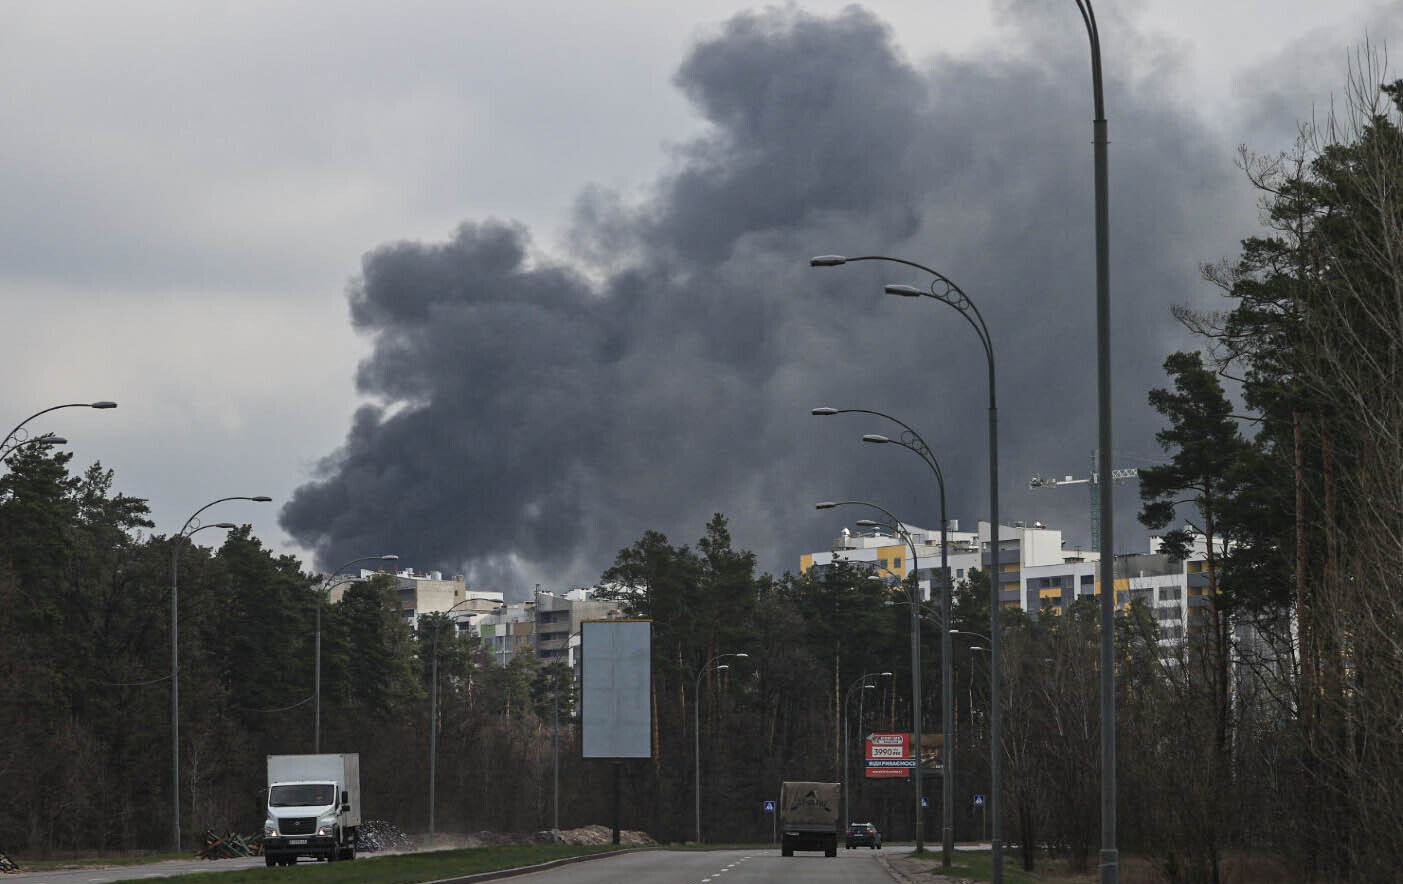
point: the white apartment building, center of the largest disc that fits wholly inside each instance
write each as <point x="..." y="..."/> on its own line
<point x="508" y="630"/>
<point x="546" y="627"/>
<point x="887" y="555"/>
<point x="430" y="593"/>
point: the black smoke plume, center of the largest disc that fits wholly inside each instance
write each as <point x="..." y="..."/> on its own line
<point x="534" y="414"/>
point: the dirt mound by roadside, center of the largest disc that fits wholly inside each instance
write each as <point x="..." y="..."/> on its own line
<point x="594" y="835"/>
<point x="583" y="835"/>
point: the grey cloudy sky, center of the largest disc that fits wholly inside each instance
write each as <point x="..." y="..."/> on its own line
<point x="500" y="286"/>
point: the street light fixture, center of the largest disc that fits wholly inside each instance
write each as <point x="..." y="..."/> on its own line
<point x="913" y="598"/>
<point x="191" y="525"/>
<point x="847" y="699"/>
<point x="944" y="289"/>
<point x="14" y="440"/>
<point x="322" y="592"/>
<point x="696" y="726"/>
<point x="46" y="439"/>
<point x="912" y="441"/>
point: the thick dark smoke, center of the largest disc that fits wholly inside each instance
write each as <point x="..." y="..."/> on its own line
<point x="539" y="414"/>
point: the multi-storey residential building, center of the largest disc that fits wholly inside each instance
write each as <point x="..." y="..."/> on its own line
<point x="889" y="556"/>
<point x="430" y="593"/>
<point x="507" y="631"/>
<point x="558" y="618"/>
<point x="1175" y="591"/>
<point x="1036" y="574"/>
<point x="547" y="627"/>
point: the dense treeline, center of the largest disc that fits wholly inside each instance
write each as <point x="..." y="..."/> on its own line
<point x="1310" y="507"/>
<point x="1271" y="729"/>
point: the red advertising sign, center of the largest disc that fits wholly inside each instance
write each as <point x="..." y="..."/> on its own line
<point x="889" y="755"/>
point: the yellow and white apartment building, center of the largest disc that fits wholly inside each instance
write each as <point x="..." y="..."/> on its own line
<point x="1036" y="574"/>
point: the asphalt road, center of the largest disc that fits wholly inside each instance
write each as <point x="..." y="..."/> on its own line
<point x="718" y="867"/>
<point x="136" y="873"/>
<point x="646" y="867"/>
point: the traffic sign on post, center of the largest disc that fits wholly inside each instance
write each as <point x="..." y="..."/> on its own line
<point x="769" y="807"/>
<point x="978" y="800"/>
<point x="925" y="801"/>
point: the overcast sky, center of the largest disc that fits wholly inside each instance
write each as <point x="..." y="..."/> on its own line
<point x="500" y="286"/>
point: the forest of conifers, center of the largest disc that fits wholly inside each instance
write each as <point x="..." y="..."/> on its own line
<point x="1229" y="745"/>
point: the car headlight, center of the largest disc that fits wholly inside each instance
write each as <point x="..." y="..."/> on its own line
<point x="270" y="828"/>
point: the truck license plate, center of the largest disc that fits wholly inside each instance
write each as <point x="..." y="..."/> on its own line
<point x="297" y="841"/>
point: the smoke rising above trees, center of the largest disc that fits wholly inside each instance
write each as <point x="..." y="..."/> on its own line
<point x="528" y="412"/>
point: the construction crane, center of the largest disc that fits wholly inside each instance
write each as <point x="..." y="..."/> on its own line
<point x="1090" y="482"/>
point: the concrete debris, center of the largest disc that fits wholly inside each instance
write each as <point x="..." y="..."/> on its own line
<point x="230" y="845"/>
<point x="376" y="835"/>
<point x="583" y="835"/>
<point x="594" y="835"/>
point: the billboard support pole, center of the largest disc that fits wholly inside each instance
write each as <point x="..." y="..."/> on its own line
<point x="618" y="767"/>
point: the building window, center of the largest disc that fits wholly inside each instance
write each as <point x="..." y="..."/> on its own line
<point x="1171" y="593"/>
<point x="896" y="562"/>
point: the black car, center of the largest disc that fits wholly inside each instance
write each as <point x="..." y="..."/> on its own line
<point x="864" y="835"/>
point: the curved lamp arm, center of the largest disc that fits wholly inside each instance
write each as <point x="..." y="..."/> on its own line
<point x="185" y="529"/>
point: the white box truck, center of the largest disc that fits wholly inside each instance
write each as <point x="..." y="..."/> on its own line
<point x="313" y="808"/>
<point x="809" y="817"/>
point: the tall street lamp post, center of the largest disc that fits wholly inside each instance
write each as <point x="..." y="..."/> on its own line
<point x="944" y="290"/>
<point x="433" y="719"/>
<point x="1110" y="855"/>
<point x="696" y="728"/>
<point x="914" y="599"/>
<point x="18" y="437"/>
<point x="191" y="525"/>
<point x="555" y="733"/>
<point x="912" y="441"/>
<point x="862" y="682"/>
<point x="322" y="592"/>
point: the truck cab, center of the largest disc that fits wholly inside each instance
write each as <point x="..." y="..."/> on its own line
<point x="313" y="808"/>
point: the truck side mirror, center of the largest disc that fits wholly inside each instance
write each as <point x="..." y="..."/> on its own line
<point x="345" y="801"/>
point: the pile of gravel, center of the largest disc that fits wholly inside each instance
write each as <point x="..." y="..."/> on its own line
<point x="380" y="835"/>
<point x="594" y="835"/>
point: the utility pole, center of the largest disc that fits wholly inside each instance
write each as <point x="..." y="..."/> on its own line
<point x="1091" y="482"/>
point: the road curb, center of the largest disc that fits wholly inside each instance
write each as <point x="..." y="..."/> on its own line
<point x="927" y="876"/>
<point x="896" y="876"/>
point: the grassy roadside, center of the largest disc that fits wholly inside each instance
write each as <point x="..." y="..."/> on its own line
<point x="407" y="868"/>
<point x="979" y="866"/>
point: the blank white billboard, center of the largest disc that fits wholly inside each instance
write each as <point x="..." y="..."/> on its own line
<point x="616" y="709"/>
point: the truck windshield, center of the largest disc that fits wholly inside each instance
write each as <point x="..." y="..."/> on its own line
<point x="302" y="795"/>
